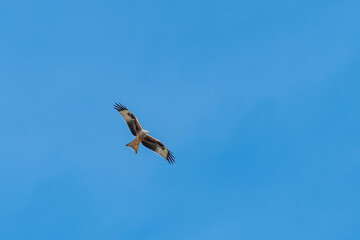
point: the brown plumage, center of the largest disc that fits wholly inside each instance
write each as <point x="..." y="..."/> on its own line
<point x="142" y="135"/>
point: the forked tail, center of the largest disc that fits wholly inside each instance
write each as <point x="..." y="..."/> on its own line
<point x="134" y="144"/>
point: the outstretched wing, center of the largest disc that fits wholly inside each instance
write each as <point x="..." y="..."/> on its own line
<point x="129" y="118"/>
<point x="156" y="146"/>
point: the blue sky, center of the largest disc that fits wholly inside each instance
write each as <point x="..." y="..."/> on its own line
<point x="258" y="100"/>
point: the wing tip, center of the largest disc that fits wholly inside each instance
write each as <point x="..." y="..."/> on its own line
<point x="119" y="107"/>
<point x="170" y="157"/>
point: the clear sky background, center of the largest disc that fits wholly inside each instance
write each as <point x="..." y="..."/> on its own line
<point x="258" y="100"/>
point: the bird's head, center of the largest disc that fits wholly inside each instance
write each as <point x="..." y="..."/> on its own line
<point x="146" y="131"/>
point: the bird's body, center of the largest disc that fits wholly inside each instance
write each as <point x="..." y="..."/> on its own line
<point x="134" y="144"/>
<point x="141" y="136"/>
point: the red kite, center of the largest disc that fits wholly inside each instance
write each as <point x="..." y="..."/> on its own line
<point x="142" y="135"/>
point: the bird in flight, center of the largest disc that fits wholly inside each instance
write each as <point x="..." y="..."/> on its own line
<point x="142" y="135"/>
